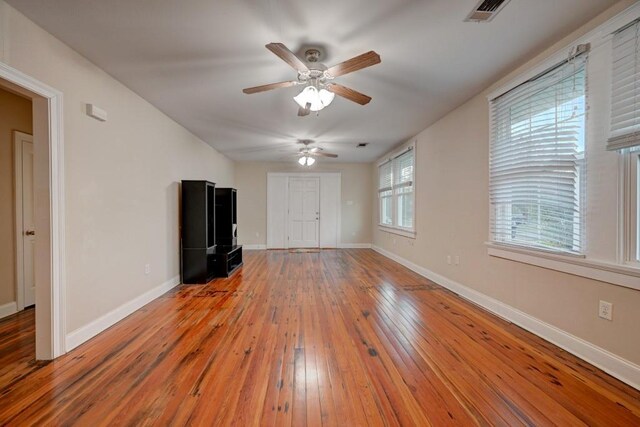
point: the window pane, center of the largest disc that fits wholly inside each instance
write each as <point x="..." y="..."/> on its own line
<point x="386" y="208"/>
<point x="405" y="207"/>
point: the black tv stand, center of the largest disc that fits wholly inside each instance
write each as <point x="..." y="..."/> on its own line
<point x="227" y="260"/>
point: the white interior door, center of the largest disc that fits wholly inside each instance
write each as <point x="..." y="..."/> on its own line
<point x="304" y="212"/>
<point x="25" y="220"/>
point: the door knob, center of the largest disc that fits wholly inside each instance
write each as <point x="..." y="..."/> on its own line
<point x="30" y="233"/>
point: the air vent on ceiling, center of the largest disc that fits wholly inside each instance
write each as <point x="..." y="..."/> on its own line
<point x="362" y="144"/>
<point x="486" y="10"/>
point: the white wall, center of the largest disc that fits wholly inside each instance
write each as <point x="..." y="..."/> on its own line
<point x="453" y="219"/>
<point x="122" y="176"/>
<point x="251" y="182"/>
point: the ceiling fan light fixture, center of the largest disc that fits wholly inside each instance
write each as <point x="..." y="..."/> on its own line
<point x="306" y="161"/>
<point x="317" y="98"/>
<point x="326" y="97"/>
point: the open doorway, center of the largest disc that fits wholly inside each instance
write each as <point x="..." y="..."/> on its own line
<point x="17" y="242"/>
<point x="31" y="215"/>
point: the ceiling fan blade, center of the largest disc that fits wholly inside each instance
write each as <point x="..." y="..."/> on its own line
<point x="271" y="86"/>
<point x="354" y="64"/>
<point x="304" y="111"/>
<point x="333" y="156"/>
<point x="287" y="56"/>
<point x="350" y="94"/>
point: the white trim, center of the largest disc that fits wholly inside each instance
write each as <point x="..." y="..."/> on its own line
<point x="397" y="230"/>
<point x="85" y="333"/>
<point x="18" y="137"/>
<point x="8" y="309"/>
<point x="57" y="198"/>
<point x="258" y="247"/>
<point x="616" y="366"/>
<point x="354" y="246"/>
<point x="596" y="37"/>
<point x="621" y="275"/>
<point x="402" y="148"/>
<point x="622" y="19"/>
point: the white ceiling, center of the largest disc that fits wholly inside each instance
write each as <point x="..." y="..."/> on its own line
<point x="192" y="58"/>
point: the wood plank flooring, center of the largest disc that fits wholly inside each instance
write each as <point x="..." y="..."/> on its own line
<point x="337" y="338"/>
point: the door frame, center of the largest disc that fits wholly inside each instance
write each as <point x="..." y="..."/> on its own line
<point x="286" y="219"/>
<point x="288" y="224"/>
<point x="51" y="290"/>
<point x="18" y="138"/>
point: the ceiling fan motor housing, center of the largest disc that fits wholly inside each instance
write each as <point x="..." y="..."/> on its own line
<point x="312" y="55"/>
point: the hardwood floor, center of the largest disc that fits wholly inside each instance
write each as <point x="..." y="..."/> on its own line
<point x="343" y="337"/>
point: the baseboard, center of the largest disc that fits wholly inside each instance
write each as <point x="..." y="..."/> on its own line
<point x="616" y="366"/>
<point x="8" y="309"/>
<point x="354" y="245"/>
<point x="89" y="331"/>
<point x="254" y="247"/>
<point x="340" y="246"/>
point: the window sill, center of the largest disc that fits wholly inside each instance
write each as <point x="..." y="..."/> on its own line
<point x="621" y="275"/>
<point x="399" y="231"/>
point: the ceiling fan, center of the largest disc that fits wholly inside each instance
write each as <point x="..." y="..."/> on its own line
<point x="319" y="88"/>
<point x="308" y="154"/>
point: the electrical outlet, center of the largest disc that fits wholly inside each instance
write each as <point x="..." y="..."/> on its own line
<point x="457" y="261"/>
<point x="147" y="268"/>
<point x="449" y="259"/>
<point x="605" y="310"/>
<point x="257" y="234"/>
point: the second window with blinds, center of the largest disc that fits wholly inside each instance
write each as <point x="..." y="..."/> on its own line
<point x="396" y="195"/>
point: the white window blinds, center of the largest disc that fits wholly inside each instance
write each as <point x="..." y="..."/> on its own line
<point x="384" y="172"/>
<point x="403" y="188"/>
<point x="625" y="96"/>
<point x="537" y="161"/>
<point x="396" y="191"/>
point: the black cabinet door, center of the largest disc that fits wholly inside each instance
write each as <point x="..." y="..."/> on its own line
<point x="198" y="214"/>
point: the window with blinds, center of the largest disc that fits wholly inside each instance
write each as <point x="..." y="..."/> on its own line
<point x="537" y="161"/>
<point x="385" y="192"/>
<point x="625" y="96"/>
<point x="396" y="191"/>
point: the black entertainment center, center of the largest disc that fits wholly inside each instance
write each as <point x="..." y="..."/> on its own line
<point x="209" y="232"/>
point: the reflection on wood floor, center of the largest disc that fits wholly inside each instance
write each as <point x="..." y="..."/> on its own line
<point x="340" y="337"/>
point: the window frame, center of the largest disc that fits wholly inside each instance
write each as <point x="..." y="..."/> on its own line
<point x="394" y="227"/>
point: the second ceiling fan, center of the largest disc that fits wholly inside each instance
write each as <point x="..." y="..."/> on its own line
<point x="319" y="88"/>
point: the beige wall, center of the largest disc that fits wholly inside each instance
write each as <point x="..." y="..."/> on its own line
<point x="121" y="176"/>
<point x="251" y="182"/>
<point x="15" y="115"/>
<point x="453" y="219"/>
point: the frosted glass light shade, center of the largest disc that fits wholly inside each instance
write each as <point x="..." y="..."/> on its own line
<point x="317" y="99"/>
<point x="306" y="161"/>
